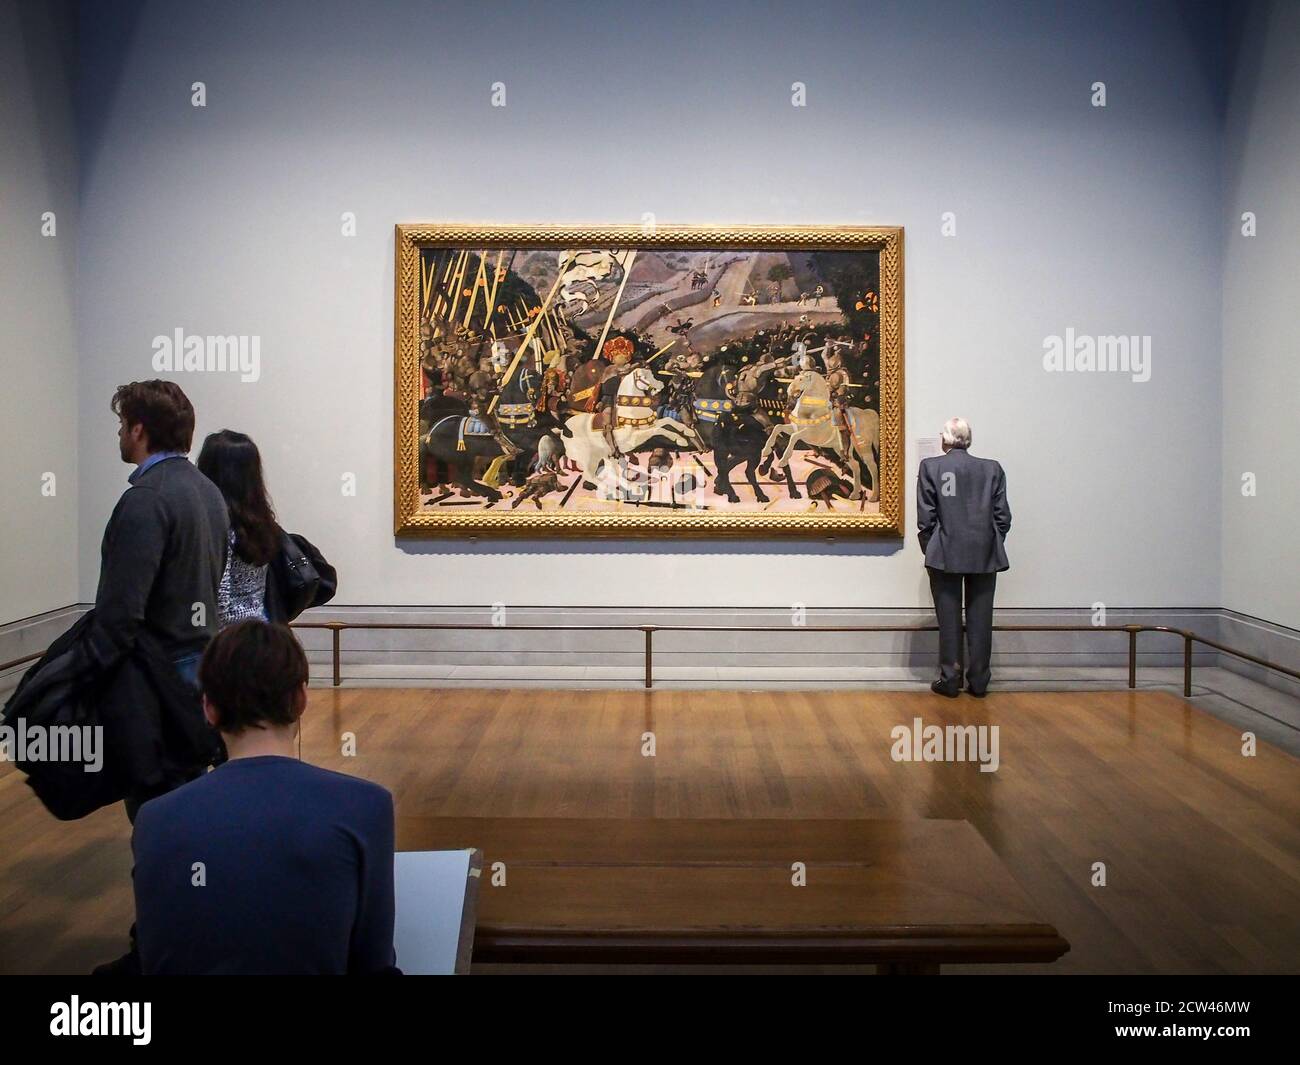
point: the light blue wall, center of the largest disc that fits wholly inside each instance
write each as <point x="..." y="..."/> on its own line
<point x="227" y="220"/>
<point x="38" y="390"/>
<point x="1261" y="349"/>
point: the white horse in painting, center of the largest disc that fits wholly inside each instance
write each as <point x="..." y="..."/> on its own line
<point x="811" y="423"/>
<point x="635" y="422"/>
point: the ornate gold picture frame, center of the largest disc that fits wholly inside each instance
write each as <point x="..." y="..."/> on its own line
<point x="645" y="381"/>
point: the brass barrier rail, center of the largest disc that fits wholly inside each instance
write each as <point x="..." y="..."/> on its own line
<point x="1189" y="638"/>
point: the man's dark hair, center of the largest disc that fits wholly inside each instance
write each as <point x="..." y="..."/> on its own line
<point x="251" y="673"/>
<point x="162" y="408"/>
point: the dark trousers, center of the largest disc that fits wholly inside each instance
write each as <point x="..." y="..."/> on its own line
<point x="947" y="591"/>
<point x="129" y="965"/>
<point x="188" y="667"/>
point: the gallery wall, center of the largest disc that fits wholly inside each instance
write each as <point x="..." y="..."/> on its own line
<point x="1261" y="353"/>
<point x="38" y="396"/>
<point x="228" y="219"/>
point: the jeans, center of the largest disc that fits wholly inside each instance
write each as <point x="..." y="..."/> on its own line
<point x="188" y="667"/>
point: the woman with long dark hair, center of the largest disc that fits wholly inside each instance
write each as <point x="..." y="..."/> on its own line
<point x="231" y="461"/>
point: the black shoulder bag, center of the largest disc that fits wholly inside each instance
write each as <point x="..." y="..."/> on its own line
<point x="299" y="578"/>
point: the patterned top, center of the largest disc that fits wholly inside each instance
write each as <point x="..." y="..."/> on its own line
<point x="243" y="589"/>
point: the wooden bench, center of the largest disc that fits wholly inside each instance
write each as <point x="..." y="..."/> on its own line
<point x="904" y="895"/>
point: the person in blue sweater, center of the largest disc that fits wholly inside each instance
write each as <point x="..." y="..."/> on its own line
<point x="266" y="865"/>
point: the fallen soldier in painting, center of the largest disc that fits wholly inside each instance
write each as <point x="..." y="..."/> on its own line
<point x="823" y="486"/>
<point x="539" y="484"/>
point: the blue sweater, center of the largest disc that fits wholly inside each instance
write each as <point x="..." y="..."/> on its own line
<point x="297" y="873"/>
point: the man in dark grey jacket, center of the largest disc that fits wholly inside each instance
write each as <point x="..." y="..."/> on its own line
<point x="163" y="552"/>
<point x="962" y="519"/>
<point x="165" y="545"/>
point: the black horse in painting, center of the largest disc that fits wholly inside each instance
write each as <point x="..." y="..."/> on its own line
<point x="455" y="439"/>
<point x="732" y="432"/>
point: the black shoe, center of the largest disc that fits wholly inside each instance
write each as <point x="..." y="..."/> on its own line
<point x="977" y="695"/>
<point x="940" y="688"/>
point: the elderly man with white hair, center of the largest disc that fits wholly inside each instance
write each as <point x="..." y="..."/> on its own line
<point x="962" y="519"/>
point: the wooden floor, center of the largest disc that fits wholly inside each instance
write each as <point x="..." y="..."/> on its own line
<point x="1201" y="845"/>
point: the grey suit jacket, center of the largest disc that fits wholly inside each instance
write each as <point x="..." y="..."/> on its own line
<point x="962" y="515"/>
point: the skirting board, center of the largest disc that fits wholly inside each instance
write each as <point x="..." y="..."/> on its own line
<point x="789" y="651"/>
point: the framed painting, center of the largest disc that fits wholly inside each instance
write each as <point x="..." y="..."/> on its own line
<point x="648" y="381"/>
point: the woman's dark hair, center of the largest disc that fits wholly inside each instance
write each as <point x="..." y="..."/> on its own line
<point x="232" y="462"/>
<point x="251" y="672"/>
<point x="162" y="408"/>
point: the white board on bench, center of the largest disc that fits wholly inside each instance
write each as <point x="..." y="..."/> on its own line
<point x="436" y="894"/>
